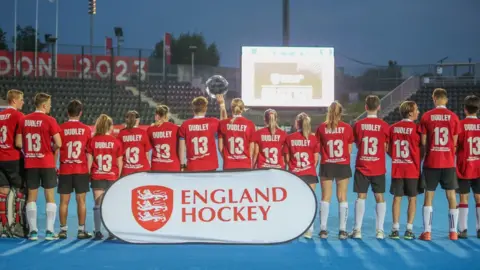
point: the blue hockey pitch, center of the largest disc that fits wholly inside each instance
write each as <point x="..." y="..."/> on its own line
<point x="369" y="253"/>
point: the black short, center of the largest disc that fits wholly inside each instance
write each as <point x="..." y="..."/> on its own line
<point x="309" y="179"/>
<point x="362" y="182"/>
<point x="67" y="183"/>
<point x="44" y="177"/>
<point x="447" y="177"/>
<point x="332" y="171"/>
<point x="101" y="184"/>
<point x="11" y="174"/>
<point x="400" y="187"/>
<point x="464" y="186"/>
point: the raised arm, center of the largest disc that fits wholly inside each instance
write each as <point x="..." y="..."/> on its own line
<point x="221" y="104"/>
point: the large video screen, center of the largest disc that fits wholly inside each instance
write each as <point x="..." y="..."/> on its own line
<point x="288" y="76"/>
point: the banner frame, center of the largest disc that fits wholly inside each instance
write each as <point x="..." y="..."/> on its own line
<point x="210" y="243"/>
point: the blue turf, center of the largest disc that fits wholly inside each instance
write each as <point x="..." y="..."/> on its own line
<point x="368" y="253"/>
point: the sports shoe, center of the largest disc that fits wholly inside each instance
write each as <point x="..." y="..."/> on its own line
<point x="111" y="237"/>
<point x="409" y="235"/>
<point x="33" y="236"/>
<point x="394" y="235"/>
<point x="453" y="236"/>
<point x="98" y="236"/>
<point x="82" y="234"/>
<point x="426" y="236"/>
<point x="323" y="234"/>
<point x="356" y="234"/>
<point x="463" y="234"/>
<point x="308" y="234"/>
<point x="380" y="235"/>
<point x="50" y="236"/>
<point x="342" y="235"/>
<point x="62" y="234"/>
<point x="4" y="233"/>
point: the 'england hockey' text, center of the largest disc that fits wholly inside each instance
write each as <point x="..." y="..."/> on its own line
<point x="228" y="205"/>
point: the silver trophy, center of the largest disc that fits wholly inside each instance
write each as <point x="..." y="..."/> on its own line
<point x="216" y="85"/>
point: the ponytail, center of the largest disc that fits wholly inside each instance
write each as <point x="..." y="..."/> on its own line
<point x="304" y="123"/>
<point x="271" y="117"/>
<point x="238" y="107"/>
<point x="131" y="119"/>
<point x="161" y="113"/>
<point x="103" y="124"/>
<point x="334" y="115"/>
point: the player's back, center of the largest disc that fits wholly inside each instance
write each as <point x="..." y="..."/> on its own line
<point x="237" y="134"/>
<point x="302" y="153"/>
<point x="105" y="149"/>
<point x="75" y="136"/>
<point x="136" y="145"/>
<point x="9" y="122"/>
<point x="199" y="134"/>
<point x="334" y="143"/>
<point x="441" y="126"/>
<point x="404" y="148"/>
<point x="371" y="134"/>
<point x="270" y="147"/>
<point x="37" y="130"/>
<point x="468" y="151"/>
<point x="163" y="139"/>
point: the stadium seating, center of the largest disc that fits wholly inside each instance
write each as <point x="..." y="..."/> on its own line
<point x="423" y="97"/>
<point x="180" y="96"/>
<point x="95" y="94"/>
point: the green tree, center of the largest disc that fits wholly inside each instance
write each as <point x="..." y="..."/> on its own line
<point x="3" y="40"/>
<point x="205" y="54"/>
<point x="26" y="40"/>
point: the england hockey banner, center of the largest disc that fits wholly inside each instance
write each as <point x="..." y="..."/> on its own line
<point x="249" y="207"/>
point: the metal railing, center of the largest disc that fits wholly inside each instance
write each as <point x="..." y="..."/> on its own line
<point x="390" y="101"/>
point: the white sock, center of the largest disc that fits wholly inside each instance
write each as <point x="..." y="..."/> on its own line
<point x="381" y="211"/>
<point x="453" y="219"/>
<point x="410" y="226"/>
<point x="478" y="216"/>
<point x="462" y="217"/>
<point x="97" y="219"/>
<point x="324" y="209"/>
<point x="51" y="210"/>
<point x="427" y="218"/>
<point x="31" y="209"/>
<point x="343" y="215"/>
<point x="359" y="212"/>
<point x="396" y="227"/>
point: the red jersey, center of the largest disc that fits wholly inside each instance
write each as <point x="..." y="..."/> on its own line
<point x="440" y="125"/>
<point x="37" y="130"/>
<point x="75" y="136"/>
<point x="9" y="124"/>
<point x="105" y="149"/>
<point x="270" y="148"/>
<point x="371" y="134"/>
<point x="334" y="144"/>
<point x="199" y="135"/>
<point x="468" y="150"/>
<point x="163" y="138"/>
<point x="237" y="135"/>
<point x="136" y="145"/>
<point x="302" y="153"/>
<point x="404" y="148"/>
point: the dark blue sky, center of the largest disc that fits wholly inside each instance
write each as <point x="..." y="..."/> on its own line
<point x="409" y="31"/>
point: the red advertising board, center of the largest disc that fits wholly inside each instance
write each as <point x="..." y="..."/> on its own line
<point x="73" y="65"/>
